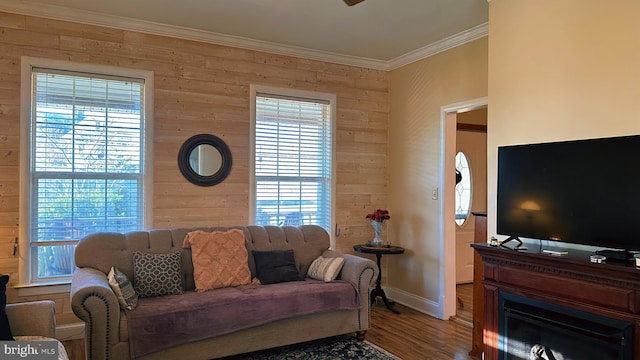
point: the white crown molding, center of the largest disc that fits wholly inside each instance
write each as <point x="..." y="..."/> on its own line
<point x="445" y="44"/>
<point x="91" y="18"/>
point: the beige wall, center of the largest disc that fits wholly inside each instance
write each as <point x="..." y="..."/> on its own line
<point x="476" y="117"/>
<point x="560" y="70"/>
<point x="199" y="88"/>
<point x="474" y="144"/>
<point x="418" y="91"/>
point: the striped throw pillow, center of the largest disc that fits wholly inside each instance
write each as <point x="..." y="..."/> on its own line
<point x="121" y="286"/>
<point x="326" y="269"/>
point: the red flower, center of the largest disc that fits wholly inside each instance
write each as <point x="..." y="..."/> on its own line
<point x="379" y="215"/>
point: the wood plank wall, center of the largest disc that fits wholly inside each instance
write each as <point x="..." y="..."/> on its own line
<point x="199" y="88"/>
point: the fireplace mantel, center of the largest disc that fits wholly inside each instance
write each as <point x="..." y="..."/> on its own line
<point x="607" y="289"/>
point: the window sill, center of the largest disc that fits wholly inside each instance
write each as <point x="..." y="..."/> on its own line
<point x="44" y="288"/>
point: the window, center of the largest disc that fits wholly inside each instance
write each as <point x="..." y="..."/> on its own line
<point x="85" y="168"/>
<point x="463" y="189"/>
<point x="292" y="157"/>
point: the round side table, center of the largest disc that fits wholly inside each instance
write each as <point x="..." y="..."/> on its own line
<point x="379" y="251"/>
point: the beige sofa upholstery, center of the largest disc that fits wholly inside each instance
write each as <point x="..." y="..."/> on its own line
<point x="34" y="318"/>
<point x="35" y="321"/>
<point x="94" y="302"/>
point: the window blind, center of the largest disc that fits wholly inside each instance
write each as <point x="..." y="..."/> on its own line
<point x="86" y="162"/>
<point x="292" y="161"/>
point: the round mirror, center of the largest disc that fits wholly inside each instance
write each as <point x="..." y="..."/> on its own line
<point x="204" y="160"/>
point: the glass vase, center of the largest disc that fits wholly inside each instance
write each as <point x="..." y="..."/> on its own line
<point x="378" y="229"/>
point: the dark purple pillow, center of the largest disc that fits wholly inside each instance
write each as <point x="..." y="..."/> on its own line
<point x="276" y="266"/>
<point x="5" y="330"/>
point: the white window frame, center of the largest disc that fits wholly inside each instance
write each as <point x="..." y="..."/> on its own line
<point x="285" y="92"/>
<point x="26" y="285"/>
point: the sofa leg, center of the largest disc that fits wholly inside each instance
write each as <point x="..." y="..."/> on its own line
<point x="360" y="335"/>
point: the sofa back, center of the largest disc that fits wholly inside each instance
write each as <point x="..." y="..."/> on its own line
<point x="103" y="250"/>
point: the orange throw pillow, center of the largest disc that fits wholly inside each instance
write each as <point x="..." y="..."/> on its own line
<point x="220" y="259"/>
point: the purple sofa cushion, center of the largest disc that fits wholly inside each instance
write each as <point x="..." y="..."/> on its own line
<point x="163" y="322"/>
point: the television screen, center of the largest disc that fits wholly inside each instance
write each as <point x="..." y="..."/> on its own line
<point x="584" y="192"/>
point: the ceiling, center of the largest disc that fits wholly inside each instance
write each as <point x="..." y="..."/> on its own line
<point x="374" y="31"/>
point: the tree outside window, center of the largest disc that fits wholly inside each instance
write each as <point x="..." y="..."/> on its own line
<point x="86" y="163"/>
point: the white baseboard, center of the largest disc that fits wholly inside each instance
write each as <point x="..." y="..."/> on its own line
<point x="417" y="303"/>
<point x="72" y="331"/>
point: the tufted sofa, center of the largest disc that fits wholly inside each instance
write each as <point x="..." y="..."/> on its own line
<point x="107" y="336"/>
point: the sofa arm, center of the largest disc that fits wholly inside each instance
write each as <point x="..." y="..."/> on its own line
<point x="93" y="301"/>
<point x="34" y="318"/>
<point x="361" y="272"/>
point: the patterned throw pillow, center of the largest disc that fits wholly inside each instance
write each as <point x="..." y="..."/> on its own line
<point x="157" y="274"/>
<point x="326" y="269"/>
<point x="121" y="286"/>
<point x="220" y="259"/>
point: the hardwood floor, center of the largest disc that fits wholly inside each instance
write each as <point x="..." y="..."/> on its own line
<point x="410" y="335"/>
<point x="75" y="349"/>
<point x="464" y="312"/>
<point x="414" y="335"/>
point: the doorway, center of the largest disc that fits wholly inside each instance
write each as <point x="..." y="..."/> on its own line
<point x="450" y="116"/>
<point x="470" y="191"/>
<point x="470" y="195"/>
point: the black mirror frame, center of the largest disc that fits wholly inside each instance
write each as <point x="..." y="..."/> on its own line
<point x="194" y="177"/>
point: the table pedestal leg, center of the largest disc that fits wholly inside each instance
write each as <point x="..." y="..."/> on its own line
<point x="378" y="289"/>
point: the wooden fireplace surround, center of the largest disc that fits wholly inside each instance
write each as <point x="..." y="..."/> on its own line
<point x="606" y="289"/>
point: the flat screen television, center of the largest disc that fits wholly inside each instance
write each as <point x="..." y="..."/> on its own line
<point x="583" y="192"/>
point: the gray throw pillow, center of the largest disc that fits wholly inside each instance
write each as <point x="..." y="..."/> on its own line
<point x="157" y="274"/>
<point x="276" y="266"/>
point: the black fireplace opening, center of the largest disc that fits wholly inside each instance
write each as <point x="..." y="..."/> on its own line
<point x="536" y="330"/>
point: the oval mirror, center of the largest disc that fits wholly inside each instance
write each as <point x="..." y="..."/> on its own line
<point x="204" y="160"/>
